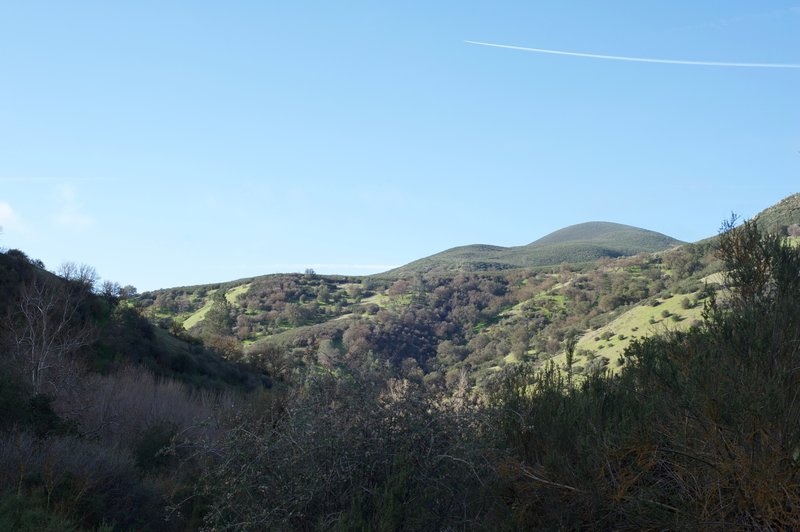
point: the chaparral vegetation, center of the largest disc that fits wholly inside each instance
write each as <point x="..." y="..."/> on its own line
<point x="603" y="377"/>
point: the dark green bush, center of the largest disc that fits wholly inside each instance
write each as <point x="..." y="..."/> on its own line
<point x="13" y="400"/>
<point x="29" y="513"/>
<point x="148" y="449"/>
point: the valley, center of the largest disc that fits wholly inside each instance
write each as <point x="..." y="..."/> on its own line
<point x="475" y="308"/>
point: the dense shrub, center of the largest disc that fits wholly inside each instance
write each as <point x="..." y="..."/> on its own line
<point x="87" y="480"/>
<point x="29" y="513"/>
<point x="347" y="454"/>
<point x="701" y="429"/>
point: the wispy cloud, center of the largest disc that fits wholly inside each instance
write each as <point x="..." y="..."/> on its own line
<point x="9" y="219"/>
<point x="70" y="214"/>
<point x="637" y="59"/>
<point x="44" y="179"/>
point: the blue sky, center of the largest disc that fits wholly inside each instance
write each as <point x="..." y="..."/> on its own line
<point x="176" y="143"/>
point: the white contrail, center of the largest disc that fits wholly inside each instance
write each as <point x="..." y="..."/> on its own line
<point x="638" y="59"/>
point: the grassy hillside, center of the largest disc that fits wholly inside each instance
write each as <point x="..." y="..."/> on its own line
<point x="575" y="244"/>
<point x="475" y="308"/>
<point x="603" y="348"/>
<point x="438" y="323"/>
<point x="476" y="257"/>
<point x="782" y="217"/>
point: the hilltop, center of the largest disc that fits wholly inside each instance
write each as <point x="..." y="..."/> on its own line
<point x="574" y="244"/>
<point x="621" y="236"/>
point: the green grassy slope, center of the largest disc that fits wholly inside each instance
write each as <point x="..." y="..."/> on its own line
<point x="267" y="306"/>
<point x="603" y="347"/>
<point x="197" y="317"/>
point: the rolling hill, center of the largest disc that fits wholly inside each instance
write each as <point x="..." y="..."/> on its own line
<point x="574" y="244"/>
<point x="511" y="304"/>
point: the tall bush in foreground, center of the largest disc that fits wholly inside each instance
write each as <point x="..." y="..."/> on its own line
<point x="701" y="429"/>
<point x="345" y="454"/>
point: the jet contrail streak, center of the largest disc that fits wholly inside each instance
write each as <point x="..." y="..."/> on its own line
<point x="638" y="59"/>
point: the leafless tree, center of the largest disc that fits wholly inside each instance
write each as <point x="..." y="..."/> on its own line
<point x="80" y="274"/>
<point x="46" y="326"/>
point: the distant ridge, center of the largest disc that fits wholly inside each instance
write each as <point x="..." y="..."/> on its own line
<point x="574" y="244"/>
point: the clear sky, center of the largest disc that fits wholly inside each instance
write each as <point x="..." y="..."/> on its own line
<point x="177" y="143"/>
